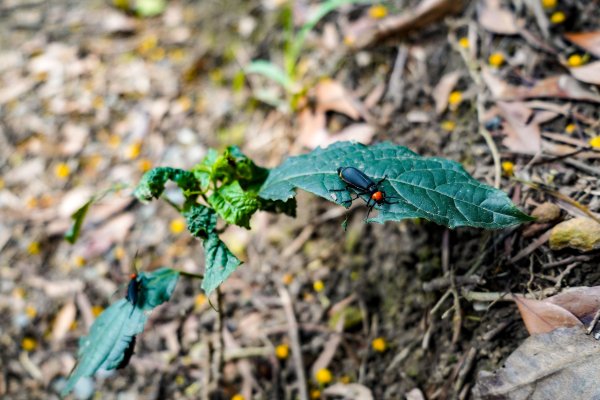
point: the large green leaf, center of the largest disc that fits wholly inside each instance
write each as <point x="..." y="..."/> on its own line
<point x="233" y="204"/>
<point x="114" y="330"/>
<point x="220" y="262"/>
<point x="78" y="216"/>
<point x="152" y="184"/>
<point x="433" y="188"/>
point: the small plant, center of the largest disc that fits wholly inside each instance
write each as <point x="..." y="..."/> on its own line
<point x="289" y="76"/>
<point x="232" y="187"/>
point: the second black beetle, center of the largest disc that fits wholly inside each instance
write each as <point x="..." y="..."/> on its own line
<point x="363" y="185"/>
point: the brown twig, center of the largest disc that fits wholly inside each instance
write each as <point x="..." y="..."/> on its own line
<point x="286" y="301"/>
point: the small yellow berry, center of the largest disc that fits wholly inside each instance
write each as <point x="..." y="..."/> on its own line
<point x="287" y="279"/>
<point x="79" y="261"/>
<point x="595" y="142"/>
<point x="200" y="300"/>
<point x="558" y="17"/>
<point x="463" y="42"/>
<point x="345" y="379"/>
<point x="176" y="55"/>
<point x="177" y="226"/>
<point x="282" y="351"/>
<point x="323" y="376"/>
<point x="448" y="125"/>
<point x="570" y="128"/>
<point x="349" y="40"/>
<point x="318" y="286"/>
<point x="119" y="252"/>
<point x="19" y="293"/>
<point x="114" y="141"/>
<point x="147" y="44"/>
<point x="508" y="167"/>
<point x="496" y="59"/>
<point x="179" y="380"/>
<point x="30" y="311"/>
<point x="184" y="103"/>
<point x="315" y="394"/>
<point x="575" y="60"/>
<point x="144" y="165"/>
<point x="29" y="344"/>
<point x="73" y="326"/>
<point x="62" y="171"/>
<point x="33" y="248"/>
<point x="548" y="4"/>
<point x="1" y="183"/>
<point x="157" y="54"/>
<point x="379" y="344"/>
<point x="455" y="98"/>
<point x="133" y="150"/>
<point x="237" y="397"/>
<point x="378" y="11"/>
<point x="97" y="310"/>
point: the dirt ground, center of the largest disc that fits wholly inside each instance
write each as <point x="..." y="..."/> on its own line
<point x="92" y="95"/>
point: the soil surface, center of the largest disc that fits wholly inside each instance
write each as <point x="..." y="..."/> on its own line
<point x="92" y="95"/>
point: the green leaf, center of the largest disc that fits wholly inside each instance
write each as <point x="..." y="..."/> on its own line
<point x="233" y="204"/>
<point x="287" y="207"/>
<point x="152" y="184"/>
<point x="271" y="71"/>
<point x="220" y="263"/>
<point x="201" y="220"/>
<point x="113" y="331"/>
<point x="78" y="216"/>
<point x="150" y="8"/>
<point x="203" y="172"/>
<point x="433" y="188"/>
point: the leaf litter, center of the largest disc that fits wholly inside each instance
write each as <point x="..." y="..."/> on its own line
<point x="145" y="103"/>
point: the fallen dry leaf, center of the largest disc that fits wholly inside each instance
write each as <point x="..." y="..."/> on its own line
<point x="561" y="86"/>
<point x="496" y="19"/>
<point x="581" y="233"/>
<point x="63" y="321"/>
<point x="555" y="365"/>
<point x="522" y="133"/>
<point x="368" y="32"/>
<point x="97" y="241"/>
<point x="350" y="391"/>
<point x="588" y="73"/>
<point x="541" y="316"/>
<point x="332" y="96"/>
<point x="546" y="212"/>
<point x="582" y="302"/>
<point x="589" y="41"/>
<point x="443" y="89"/>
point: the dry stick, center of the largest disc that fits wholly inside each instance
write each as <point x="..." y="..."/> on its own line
<point x="286" y="301"/>
<point x="220" y="359"/>
<point x="465" y="369"/>
<point x="476" y="77"/>
<point x="593" y="323"/>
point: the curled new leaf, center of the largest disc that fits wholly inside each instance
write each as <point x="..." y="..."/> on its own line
<point x="152" y="184"/>
<point x="233" y="204"/>
<point x="433" y="188"/>
<point x="109" y="343"/>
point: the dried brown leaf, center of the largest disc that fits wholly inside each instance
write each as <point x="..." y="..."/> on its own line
<point x="332" y="96"/>
<point x="582" y="302"/>
<point x="63" y="321"/>
<point x="443" y="89"/>
<point x="589" y="41"/>
<point x="588" y="73"/>
<point x="496" y="19"/>
<point x="350" y="391"/>
<point x="541" y="316"/>
<point x="562" y="364"/>
<point x="522" y="134"/>
<point x="368" y="32"/>
<point x="98" y="241"/>
<point x="561" y="86"/>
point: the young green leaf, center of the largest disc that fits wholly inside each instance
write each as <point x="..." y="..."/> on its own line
<point x="220" y="262"/>
<point x="233" y="204"/>
<point x="112" y="333"/>
<point x="152" y="184"/>
<point x="271" y="71"/>
<point x="204" y="170"/>
<point x="78" y="216"/>
<point x="433" y="188"/>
